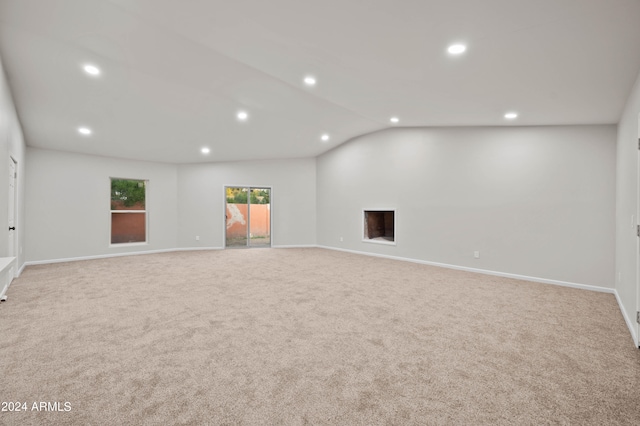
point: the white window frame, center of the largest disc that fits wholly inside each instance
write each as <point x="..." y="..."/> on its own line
<point x="145" y="212"/>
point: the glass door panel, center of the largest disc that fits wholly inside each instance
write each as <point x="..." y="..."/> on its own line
<point x="237" y="222"/>
<point x="260" y="217"/>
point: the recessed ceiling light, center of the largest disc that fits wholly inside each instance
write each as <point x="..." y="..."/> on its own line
<point x="325" y="137"/>
<point x="394" y="120"/>
<point x="84" y="130"/>
<point x="242" y="115"/>
<point x="457" y="49"/>
<point x="91" y="69"/>
<point x="310" y="81"/>
<point x="511" y="115"/>
<point x="205" y="150"/>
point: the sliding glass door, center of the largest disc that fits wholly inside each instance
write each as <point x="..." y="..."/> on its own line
<point x="248" y="216"/>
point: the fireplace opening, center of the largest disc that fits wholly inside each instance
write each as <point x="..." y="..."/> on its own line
<point x="379" y="226"/>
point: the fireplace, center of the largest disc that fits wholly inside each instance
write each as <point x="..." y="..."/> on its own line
<point x="379" y="226"/>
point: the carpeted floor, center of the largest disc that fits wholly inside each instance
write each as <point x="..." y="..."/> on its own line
<point x="308" y="336"/>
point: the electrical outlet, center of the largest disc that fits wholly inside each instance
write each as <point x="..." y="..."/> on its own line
<point x="476" y="254"/>
<point x="341" y="239"/>
<point x="197" y="237"/>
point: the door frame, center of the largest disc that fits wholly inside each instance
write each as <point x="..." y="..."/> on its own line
<point x="14" y="204"/>
<point x="6" y="278"/>
<point x="637" y="239"/>
<point x="224" y="212"/>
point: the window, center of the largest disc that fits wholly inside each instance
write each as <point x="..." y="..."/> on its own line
<point x="128" y="211"/>
<point x="379" y="226"/>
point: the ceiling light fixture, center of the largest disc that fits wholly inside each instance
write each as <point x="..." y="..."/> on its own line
<point x="242" y="115"/>
<point x="205" y="150"/>
<point x="394" y="120"/>
<point x="325" y="137"/>
<point x="310" y="81"/>
<point x="457" y="49"/>
<point x="511" y="115"/>
<point x="84" y="131"/>
<point x="91" y="69"/>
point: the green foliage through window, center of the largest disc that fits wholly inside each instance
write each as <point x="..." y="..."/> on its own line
<point x="239" y="196"/>
<point x="128" y="193"/>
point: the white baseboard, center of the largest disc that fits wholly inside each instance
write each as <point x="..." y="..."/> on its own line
<point x="482" y="271"/>
<point x="24" y="265"/>
<point x="135" y="253"/>
<point x="295" y="246"/>
<point x="195" y="248"/>
<point x="3" y="293"/>
<point x="7" y="265"/>
<point x="404" y="259"/>
<point x="627" y="320"/>
<point x="105" y="256"/>
<point x="630" y="324"/>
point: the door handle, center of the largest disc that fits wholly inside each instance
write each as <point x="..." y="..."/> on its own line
<point x="12" y="228"/>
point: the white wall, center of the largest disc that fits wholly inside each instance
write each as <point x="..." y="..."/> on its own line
<point x="68" y="196"/>
<point x="12" y="144"/>
<point x="627" y="209"/>
<point x="293" y="200"/>
<point x="535" y="201"/>
<point x="67" y="204"/>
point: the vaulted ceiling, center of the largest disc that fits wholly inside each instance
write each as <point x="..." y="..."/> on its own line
<point x="174" y="74"/>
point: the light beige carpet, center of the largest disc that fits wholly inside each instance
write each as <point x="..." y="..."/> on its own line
<point x="308" y="336"/>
